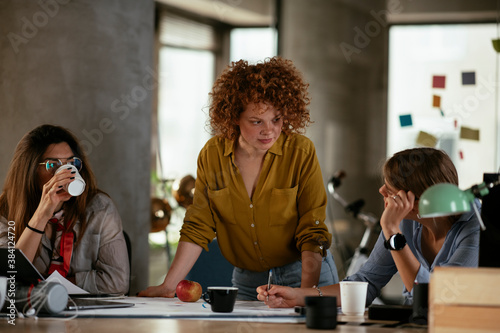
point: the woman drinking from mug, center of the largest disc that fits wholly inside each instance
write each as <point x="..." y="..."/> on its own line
<point x="80" y="237"/>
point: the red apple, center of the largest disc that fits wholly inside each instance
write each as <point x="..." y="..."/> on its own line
<point x="188" y="291"/>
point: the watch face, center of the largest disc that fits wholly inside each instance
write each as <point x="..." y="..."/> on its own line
<point x="397" y="241"/>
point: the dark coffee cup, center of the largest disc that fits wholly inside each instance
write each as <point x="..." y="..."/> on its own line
<point x="221" y="299"/>
<point x="420" y="303"/>
<point x="321" y="312"/>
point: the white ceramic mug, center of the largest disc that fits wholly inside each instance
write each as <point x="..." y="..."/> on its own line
<point x="77" y="186"/>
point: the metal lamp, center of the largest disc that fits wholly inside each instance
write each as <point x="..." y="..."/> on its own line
<point x="444" y="199"/>
<point x="447" y="199"/>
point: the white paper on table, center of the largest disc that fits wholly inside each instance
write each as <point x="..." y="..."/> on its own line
<point x="70" y="287"/>
<point x="160" y="307"/>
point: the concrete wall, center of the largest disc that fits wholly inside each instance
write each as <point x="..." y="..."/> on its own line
<point x="88" y="66"/>
<point x="346" y="68"/>
<point x="340" y="46"/>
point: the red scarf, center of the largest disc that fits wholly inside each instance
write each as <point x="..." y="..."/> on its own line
<point x="62" y="263"/>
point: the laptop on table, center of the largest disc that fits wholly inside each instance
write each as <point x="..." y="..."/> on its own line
<point x="13" y="262"/>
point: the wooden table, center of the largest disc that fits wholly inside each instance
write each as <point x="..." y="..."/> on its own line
<point x="125" y="325"/>
<point x="169" y="315"/>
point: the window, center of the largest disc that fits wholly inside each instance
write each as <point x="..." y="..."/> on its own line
<point x="186" y="66"/>
<point x="253" y="44"/>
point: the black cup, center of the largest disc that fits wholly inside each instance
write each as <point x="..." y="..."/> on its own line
<point x="221" y="299"/>
<point x="321" y="312"/>
<point x="420" y="303"/>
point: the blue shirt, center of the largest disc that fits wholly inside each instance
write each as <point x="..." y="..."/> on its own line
<point x="460" y="248"/>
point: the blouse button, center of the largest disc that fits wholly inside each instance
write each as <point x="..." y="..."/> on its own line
<point x="317" y="222"/>
<point x="251" y="205"/>
<point x="252" y="225"/>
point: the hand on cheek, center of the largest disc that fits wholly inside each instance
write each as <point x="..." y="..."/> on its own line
<point x="397" y="207"/>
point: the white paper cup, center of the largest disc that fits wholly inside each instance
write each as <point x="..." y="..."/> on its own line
<point x="77" y="186"/>
<point x="353" y="297"/>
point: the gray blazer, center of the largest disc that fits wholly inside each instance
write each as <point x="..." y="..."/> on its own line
<point x="100" y="261"/>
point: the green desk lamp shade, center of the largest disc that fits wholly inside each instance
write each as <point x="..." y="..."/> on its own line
<point x="444" y="199"/>
<point x="496" y="44"/>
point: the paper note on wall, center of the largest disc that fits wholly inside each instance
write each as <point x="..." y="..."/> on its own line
<point x="436" y="101"/>
<point x="469" y="133"/>
<point x="405" y="120"/>
<point x="468" y="78"/>
<point x="427" y="140"/>
<point x="438" y="81"/>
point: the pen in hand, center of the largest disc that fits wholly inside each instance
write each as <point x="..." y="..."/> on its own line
<point x="269" y="282"/>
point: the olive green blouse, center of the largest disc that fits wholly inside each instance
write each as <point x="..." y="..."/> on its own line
<point x="284" y="217"/>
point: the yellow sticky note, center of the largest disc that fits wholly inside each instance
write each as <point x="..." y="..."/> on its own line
<point x="469" y="133"/>
<point x="427" y="140"/>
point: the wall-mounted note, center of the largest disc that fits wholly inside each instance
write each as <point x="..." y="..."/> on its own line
<point x="438" y="81"/>
<point x="436" y="101"/>
<point x="469" y="133"/>
<point x="468" y="78"/>
<point x="427" y="140"/>
<point x="405" y="120"/>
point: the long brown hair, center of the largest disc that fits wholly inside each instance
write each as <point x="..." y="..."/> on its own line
<point x="22" y="193"/>
<point x="419" y="168"/>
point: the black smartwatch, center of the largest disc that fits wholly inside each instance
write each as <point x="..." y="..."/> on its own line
<point x="396" y="242"/>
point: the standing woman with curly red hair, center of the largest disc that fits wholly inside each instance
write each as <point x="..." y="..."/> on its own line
<point x="259" y="187"/>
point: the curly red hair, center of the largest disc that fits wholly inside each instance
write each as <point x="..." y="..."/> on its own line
<point x="275" y="81"/>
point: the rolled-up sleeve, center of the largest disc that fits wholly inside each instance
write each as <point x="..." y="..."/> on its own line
<point x="312" y="233"/>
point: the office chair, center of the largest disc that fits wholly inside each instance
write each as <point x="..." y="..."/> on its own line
<point x="211" y="268"/>
<point x="129" y="251"/>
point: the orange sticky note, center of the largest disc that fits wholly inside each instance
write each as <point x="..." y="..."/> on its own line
<point x="436" y="101"/>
